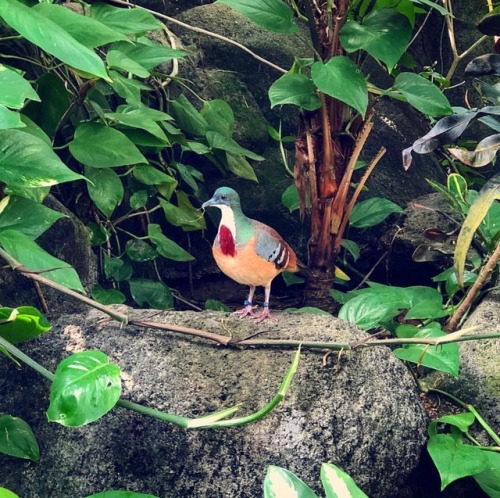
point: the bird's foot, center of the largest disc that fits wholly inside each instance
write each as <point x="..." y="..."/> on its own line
<point x="264" y="314"/>
<point x="246" y="311"/>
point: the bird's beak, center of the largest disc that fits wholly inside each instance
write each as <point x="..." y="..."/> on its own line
<point x="208" y="203"/>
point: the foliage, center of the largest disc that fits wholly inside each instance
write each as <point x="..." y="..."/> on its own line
<point x="93" y="118"/>
<point x="281" y="483"/>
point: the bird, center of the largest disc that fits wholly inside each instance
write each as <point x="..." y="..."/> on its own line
<point x="248" y="251"/>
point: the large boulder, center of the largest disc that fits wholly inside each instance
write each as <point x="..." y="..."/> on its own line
<point x="360" y="411"/>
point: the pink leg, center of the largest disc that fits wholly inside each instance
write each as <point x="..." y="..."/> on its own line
<point x="265" y="312"/>
<point x="248" y="309"/>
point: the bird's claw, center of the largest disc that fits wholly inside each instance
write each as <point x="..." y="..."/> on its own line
<point x="263" y="315"/>
<point x="246" y="311"/>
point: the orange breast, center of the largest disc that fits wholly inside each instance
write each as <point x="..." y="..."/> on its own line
<point x="246" y="267"/>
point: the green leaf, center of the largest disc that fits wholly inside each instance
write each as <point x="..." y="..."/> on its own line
<point x="295" y="89"/>
<point x="47" y="35"/>
<point x="120" y="494"/>
<point x="33" y="257"/>
<point x="338" y="484"/>
<point x="118" y="60"/>
<point x="291" y="279"/>
<point x="383" y="33"/>
<point x="148" y="175"/>
<point x="422" y="94"/>
<point x="188" y="117"/>
<point x="27" y="161"/>
<point x="489" y="480"/>
<point x="21" y="324"/>
<point x="135" y="118"/>
<point x="290" y="198"/>
<point x="218" y="141"/>
<point x="273" y="15"/>
<point x="454" y="460"/>
<point x="462" y="421"/>
<point x="55" y="102"/>
<point x="148" y="56"/>
<point x="179" y="216"/>
<point x="139" y="199"/>
<point x="85" y="387"/>
<point x="166" y="247"/>
<point x="84" y="29"/>
<point x="352" y="248"/>
<point x="14" y="89"/>
<point x="33" y="129"/>
<point x="17" y="439"/>
<point x="150" y="292"/>
<point x="106" y="189"/>
<point x="5" y="493"/>
<point x="117" y="268"/>
<point x="25" y="216"/>
<point x="239" y="166"/>
<point x="219" y="116"/>
<point x="100" y="146"/>
<point x="214" y="305"/>
<point x="129" y="89"/>
<point x="140" y="251"/>
<point x="281" y="483"/>
<point x="372" y="212"/>
<point x="127" y="21"/>
<point x="9" y="119"/>
<point x="107" y="296"/>
<point x="445" y="358"/>
<point x="99" y="234"/>
<point x="342" y="79"/>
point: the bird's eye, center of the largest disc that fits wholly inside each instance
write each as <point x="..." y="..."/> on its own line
<point x="223" y="197"/>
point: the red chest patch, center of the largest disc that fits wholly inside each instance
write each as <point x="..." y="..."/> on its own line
<point x="226" y="241"/>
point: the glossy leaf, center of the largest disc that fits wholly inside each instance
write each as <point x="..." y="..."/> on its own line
<point x="477" y="212"/>
<point x="295" y="89"/>
<point x="47" y="35"/>
<point x="148" y="56"/>
<point x="341" y="78"/>
<point x="219" y="116"/>
<point x="290" y="198"/>
<point x="352" y="248"/>
<point x="100" y="146"/>
<point x="383" y="33"/>
<point x="85" y="387"/>
<point x="148" y="175"/>
<point x="273" y="15"/>
<point x="117" y="268"/>
<point x="372" y="212"/>
<point x="489" y="480"/>
<point x="140" y="251"/>
<point x="134" y="118"/>
<point x="128" y="89"/>
<point x="108" y="296"/>
<point x="461" y="421"/>
<point x="338" y="484"/>
<point x="484" y="153"/>
<point x="17" y="439"/>
<point x="5" y="493"/>
<point x="423" y="95"/>
<point x="33" y="257"/>
<point x="28" y="161"/>
<point x="14" y="89"/>
<point x="151" y="293"/>
<point x="165" y="246"/>
<point x="444" y="358"/>
<point x="218" y="141"/>
<point x="281" y="483"/>
<point x="25" y="216"/>
<point x="454" y="459"/>
<point x="182" y="216"/>
<point x="22" y="323"/>
<point x="10" y="119"/>
<point x="84" y="29"/>
<point x="188" y="117"/>
<point x="126" y="21"/>
<point x="239" y="166"/>
<point x="446" y="131"/>
<point x="118" y="60"/>
<point x="106" y="189"/>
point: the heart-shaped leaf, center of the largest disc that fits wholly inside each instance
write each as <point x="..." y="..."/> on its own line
<point x="295" y="89"/>
<point x="85" y="387"/>
<point x="17" y="439"/>
<point x="281" y="483"/>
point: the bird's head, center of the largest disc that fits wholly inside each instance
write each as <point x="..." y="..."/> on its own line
<point x="224" y="197"/>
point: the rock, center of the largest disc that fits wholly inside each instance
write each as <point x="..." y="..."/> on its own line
<point x="360" y="411"/>
<point x="68" y="239"/>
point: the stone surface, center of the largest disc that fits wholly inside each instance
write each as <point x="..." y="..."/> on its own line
<point x="360" y="411"/>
